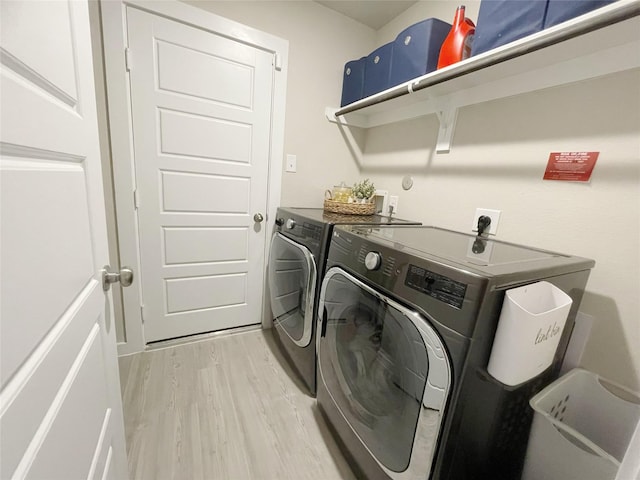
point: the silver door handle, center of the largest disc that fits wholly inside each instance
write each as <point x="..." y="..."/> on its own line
<point x="124" y="276"/>
<point x="258" y="218"/>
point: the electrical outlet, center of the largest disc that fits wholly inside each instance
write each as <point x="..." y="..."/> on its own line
<point x="291" y="164"/>
<point x="393" y="203"/>
<point x="495" y="219"/>
<point x="381" y="198"/>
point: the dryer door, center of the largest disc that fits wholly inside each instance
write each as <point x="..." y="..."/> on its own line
<point x="292" y="285"/>
<point x="387" y="371"/>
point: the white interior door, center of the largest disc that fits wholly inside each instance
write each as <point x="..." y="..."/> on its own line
<point x="201" y="106"/>
<point x="60" y="407"/>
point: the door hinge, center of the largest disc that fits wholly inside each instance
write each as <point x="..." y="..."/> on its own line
<point x="277" y="61"/>
<point x="136" y="199"/>
<point x="128" y="62"/>
<point x="142" y="313"/>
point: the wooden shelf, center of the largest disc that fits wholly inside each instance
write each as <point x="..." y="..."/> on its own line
<point x="598" y="43"/>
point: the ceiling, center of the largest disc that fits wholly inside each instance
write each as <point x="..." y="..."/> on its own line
<point x="374" y="13"/>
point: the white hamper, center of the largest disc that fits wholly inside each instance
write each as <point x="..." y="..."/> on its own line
<point x="581" y="428"/>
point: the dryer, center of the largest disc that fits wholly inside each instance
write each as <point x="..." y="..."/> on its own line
<point x="296" y="263"/>
<point x="407" y="317"/>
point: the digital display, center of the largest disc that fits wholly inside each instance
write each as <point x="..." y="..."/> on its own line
<point x="310" y="230"/>
<point x="436" y="286"/>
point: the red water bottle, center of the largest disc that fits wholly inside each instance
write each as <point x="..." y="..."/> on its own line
<point x="457" y="44"/>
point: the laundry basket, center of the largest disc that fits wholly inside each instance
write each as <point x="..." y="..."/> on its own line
<point x="582" y="426"/>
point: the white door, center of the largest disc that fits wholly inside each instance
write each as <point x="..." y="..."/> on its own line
<point x="60" y="407"/>
<point x="201" y="106"/>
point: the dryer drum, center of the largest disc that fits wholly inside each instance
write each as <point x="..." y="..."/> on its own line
<point x="369" y="370"/>
<point x="374" y="363"/>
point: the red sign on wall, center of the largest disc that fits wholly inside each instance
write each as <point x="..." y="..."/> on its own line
<point x="570" y="166"/>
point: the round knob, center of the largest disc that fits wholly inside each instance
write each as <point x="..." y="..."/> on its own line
<point x="291" y="223"/>
<point x="372" y="261"/>
<point x="279" y="221"/>
<point x="258" y="217"/>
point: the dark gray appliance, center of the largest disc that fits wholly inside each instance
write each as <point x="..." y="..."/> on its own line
<point x="407" y="317"/>
<point x="296" y="263"/>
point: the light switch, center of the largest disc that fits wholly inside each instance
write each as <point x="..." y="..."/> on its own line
<point x="291" y="163"/>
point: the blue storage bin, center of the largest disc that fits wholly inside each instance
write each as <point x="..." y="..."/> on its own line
<point x="503" y="21"/>
<point x="416" y="50"/>
<point x="377" y="69"/>
<point x="352" y="81"/>
<point x="559" y="11"/>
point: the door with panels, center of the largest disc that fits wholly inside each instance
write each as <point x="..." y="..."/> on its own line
<point x="201" y="108"/>
<point x="60" y="407"/>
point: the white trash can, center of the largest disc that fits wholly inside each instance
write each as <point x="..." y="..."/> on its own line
<point x="529" y="329"/>
<point x="582" y="426"/>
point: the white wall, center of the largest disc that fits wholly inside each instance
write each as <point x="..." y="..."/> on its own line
<point x="321" y="41"/>
<point x="499" y="153"/>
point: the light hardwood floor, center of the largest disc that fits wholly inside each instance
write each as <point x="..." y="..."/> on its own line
<point x="223" y="408"/>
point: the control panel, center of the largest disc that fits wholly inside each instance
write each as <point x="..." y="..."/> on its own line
<point x="300" y="230"/>
<point x="435" y="285"/>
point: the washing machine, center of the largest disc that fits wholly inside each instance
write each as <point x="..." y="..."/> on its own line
<point x="296" y="263"/>
<point x="407" y="317"/>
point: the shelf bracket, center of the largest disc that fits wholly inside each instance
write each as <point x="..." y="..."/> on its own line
<point x="330" y="113"/>
<point x="447" y="118"/>
<point x="349" y="120"/>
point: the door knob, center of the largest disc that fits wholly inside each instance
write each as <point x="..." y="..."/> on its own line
<point x="258" y="217"/>
<point x="124" y="276"/>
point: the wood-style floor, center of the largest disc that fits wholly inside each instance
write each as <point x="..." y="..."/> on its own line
<point x="227" y="407"/>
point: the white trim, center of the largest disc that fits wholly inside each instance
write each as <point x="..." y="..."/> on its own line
<point x="22" y="470"/>
<point x="114" y="29"/>
<point x="102" y="440"/>
<point x="15" y="385"/>
<point x="128" y="59"/>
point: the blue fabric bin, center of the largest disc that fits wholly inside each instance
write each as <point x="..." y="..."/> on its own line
<point x="503" y="21"/>
<point x="352" y="81"/>
<point x="376" y="70"/>
<point x="559" y="11"/>
<point x="416" y="50"/>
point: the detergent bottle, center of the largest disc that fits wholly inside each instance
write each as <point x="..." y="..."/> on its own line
<point x="457" y="44"/>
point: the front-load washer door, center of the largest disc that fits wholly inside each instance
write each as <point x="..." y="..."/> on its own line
<point x="387" y="372"/>
<point x="292" y="285"/>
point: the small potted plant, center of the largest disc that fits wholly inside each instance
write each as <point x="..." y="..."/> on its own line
<point x="362" y="192"/>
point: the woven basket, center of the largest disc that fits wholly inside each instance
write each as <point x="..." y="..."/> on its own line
<point x="349" y="208"/>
